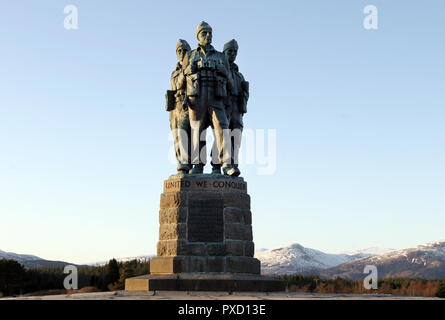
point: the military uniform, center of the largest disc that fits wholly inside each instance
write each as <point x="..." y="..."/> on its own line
<point x="179" y="118"/>
<point x="208" y="78"/>
<point x="236" y="107"/>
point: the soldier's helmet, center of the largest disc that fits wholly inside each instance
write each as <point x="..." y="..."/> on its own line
<point x="203" y="26"/>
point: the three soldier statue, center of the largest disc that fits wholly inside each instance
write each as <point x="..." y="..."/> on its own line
<point x="207" y="89"/>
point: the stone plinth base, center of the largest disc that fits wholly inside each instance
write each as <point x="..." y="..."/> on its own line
<point x="181" y="264"/>
<point x="204" y="282"/>
<point x="205" y="239"/>
<point x="205" y="225"/>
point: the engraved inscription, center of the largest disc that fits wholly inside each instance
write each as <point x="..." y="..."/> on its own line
<point x="205" y="220"/>
<point x="172" y="185"/>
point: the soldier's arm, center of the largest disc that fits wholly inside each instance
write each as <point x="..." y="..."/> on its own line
<point x="181" y="79"/>
<point x="173" y="81"/>
<point x="241" y="76"/>
<point x="191" y="66"/>
<point x="182" y="74"/>
<point x="230" y="83"/>
<point x="244" y="89"/>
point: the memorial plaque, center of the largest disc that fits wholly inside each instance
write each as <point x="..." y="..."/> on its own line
<point x="205" y="220"/>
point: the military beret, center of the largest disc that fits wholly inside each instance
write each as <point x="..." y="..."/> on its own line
<point x="203" y="26"/>
<point x="184" y="44"/>
<point x="231" y="44"/>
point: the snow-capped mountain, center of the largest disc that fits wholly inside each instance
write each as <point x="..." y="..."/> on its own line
<point x="30" y="261"/>
<point x="370" y="252"/>
<point x="18" y="257"/>
<point x="424" y="261"/>
<point x="295" y="258"/>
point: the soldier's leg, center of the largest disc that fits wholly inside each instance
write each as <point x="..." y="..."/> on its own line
<point x="236" y="126"/>
<point x="173" y="115"/>
<point x="195" y="117"/>
<point x="201" y="156"/>
<point x="216" y="165"/>
<point x="187" y="128"/>
<point x="222" y="137"/>
<point x="214" y="154"/>
<point x="183" y="141"/>
<point x="198" y="123"/>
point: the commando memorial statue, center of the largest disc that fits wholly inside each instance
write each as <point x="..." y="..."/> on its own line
<point x="205" y="233"/>
<point x="207" y="90"/>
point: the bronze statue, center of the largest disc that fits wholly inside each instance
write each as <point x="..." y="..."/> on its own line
<point x="177" y="106"/>
<point x="207" y="90"/>
<point x="236" y="105"/>
<point x="208" y="76"/>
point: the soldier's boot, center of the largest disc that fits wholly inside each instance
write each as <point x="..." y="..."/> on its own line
<point x="197" y="169"/>
<point x="237" y="170"/>
<point x="184" y="168"/>
<point x="232" y="171"/>
<point x="216" y="168"/>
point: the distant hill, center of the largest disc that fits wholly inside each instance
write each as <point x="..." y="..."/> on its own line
<point x="30" y="261"/>
<point x="424" y="261"/>
<point x="18" y="257"/>
<point x="140" y="258"/>
<point x="295" y="258"/>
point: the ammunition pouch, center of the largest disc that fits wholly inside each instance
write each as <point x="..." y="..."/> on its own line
<point x="221" y="87"/>
<point x="170" y="103"/>
<point x="192" y="85"/>
<point x="181" y="99"/>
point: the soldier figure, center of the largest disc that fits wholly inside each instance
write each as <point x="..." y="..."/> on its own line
<point x="177" y="106"/>
<point x="208" y="79"/>
<point x="236" y="105"/>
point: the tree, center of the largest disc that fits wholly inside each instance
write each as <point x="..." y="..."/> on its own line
<point x="11" y="276"/>
<point x="111" y="272"/>
<point x="127" y="271"/>
<point x="441" y="291"/>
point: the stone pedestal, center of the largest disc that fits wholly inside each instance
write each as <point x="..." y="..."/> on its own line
<point x="205" y="238"/>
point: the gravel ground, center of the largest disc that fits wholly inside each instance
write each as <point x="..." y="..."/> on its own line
<point x="184" y="295"/>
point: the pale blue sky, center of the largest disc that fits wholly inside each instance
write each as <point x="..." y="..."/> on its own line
<point x="359" y="117"/>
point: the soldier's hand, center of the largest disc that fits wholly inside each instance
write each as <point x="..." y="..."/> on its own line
<point x="221" y="69"/>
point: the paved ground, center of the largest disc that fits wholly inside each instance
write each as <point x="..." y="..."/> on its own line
<point x="181" y="295"/>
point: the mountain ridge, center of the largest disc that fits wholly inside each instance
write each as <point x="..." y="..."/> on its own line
<point x="295" y="258"/>
<point x="31" y="261"/>
<point x="426" y="261"/>
<point x="423" y="261"/>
